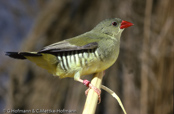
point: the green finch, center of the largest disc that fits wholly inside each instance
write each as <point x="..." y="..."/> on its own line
<point x="88" y="53"/>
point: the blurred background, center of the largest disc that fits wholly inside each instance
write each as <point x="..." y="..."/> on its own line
<point x="142" y="75"/>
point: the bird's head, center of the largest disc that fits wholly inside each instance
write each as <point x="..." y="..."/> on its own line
<point x="112" y="27"/>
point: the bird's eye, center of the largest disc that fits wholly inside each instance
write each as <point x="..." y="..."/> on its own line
<point x="114" y="23"/>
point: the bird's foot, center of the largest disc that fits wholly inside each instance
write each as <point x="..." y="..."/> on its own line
<point x="98" y="91"/>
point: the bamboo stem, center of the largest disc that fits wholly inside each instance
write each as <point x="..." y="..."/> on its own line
<point x="92" y="97"/>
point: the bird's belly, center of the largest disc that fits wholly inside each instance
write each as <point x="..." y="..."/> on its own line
<point x="96" y="67"/>
<point x="100" y="64"/>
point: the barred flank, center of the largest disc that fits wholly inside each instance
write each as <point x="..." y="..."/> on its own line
<point x="71" y="58"/>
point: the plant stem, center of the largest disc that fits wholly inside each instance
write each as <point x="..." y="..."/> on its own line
<point x="92" y="97"/>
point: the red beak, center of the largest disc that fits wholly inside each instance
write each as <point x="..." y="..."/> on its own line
<point x="125" y="24"/>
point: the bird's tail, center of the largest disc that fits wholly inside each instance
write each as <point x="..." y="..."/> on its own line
<point x="46" y="61"/>
<point x="21" y="55"/>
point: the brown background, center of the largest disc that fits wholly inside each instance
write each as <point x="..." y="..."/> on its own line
<point x="142" y="75"/>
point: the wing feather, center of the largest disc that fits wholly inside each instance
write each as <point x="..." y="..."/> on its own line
<point x="65" y="46"/>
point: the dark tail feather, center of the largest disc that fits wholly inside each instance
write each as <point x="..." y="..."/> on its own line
<point x="21" y="55"/>
<point x="15" y="55"/>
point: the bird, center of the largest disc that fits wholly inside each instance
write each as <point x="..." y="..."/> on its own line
<point x="88" y="53"/>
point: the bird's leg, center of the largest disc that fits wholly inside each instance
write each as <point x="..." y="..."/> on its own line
<point x="88" y="84"/>
<point x="86" y="92"/>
